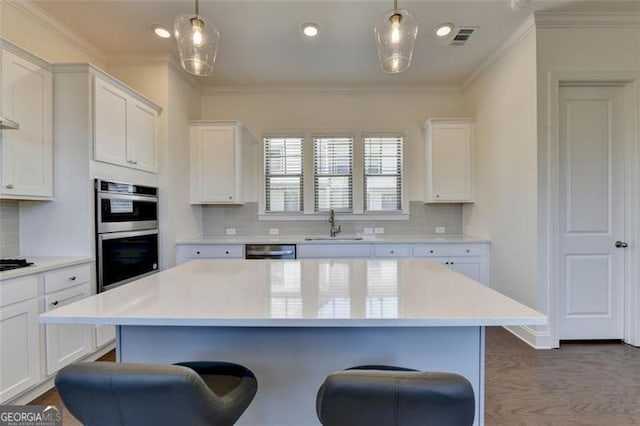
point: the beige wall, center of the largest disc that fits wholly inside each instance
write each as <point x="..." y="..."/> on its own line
<point x="28" y="32"/>
<point x="504" y="101"/>
<point x="182" y="219"/>
<point x="596" y="54"/>
<point x="331" y="110"/>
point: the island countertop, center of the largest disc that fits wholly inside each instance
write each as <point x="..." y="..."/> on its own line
<point x="301" y="293"/>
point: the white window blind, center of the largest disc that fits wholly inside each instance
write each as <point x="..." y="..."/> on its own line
<point x="283" y="174"/>
<point x="333" y="160"/>
<point x="383" y="173"/>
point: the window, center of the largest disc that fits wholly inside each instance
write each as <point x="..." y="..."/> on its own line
<point x="357" y="174"/>
<point x="333" y="173"/>
<point x="383" y="173"/>
<point x="283" y="159"/>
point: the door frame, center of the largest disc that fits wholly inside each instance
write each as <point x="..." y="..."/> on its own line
<point x="630" y="81"/>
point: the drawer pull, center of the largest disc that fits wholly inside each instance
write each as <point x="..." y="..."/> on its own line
<point x="10" y="186"/>
<point x="430" y="251"/>
<point x="198" y="252"/>
<point x="392" y="252"/>
<point x="72" y="278"/>
<point x="468" y="251"/>
<point x="226" y="252"/>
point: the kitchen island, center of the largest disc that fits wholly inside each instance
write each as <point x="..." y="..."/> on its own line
<point x="295" y="321"/>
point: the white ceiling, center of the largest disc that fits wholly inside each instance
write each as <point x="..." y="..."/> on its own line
<point x="261" y="41"/>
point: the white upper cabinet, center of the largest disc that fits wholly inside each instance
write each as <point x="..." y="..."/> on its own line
<point x="124" y="128"/>
<point x="218" y="152"/>
<point x="449" y="160"/>
<point x="27" y="152"/>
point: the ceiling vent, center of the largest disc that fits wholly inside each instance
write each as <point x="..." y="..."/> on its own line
<point x="462" y="36"/>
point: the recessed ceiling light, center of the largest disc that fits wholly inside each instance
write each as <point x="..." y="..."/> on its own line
<point x="161" y="31"/>
<point x="310" y="29"/>
<point x="443" y="30"/>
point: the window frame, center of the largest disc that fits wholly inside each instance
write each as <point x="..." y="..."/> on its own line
<point x="358" y="212"/>
<point x="266" y="137"/>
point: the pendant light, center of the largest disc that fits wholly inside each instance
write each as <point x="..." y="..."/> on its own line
<point x="396" y="33"/>
<point x="198" y="42"/>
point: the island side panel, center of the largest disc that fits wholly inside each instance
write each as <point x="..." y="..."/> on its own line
<point x="291" y="363"/>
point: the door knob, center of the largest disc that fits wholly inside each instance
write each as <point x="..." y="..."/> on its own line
<point x="621" y="244"/>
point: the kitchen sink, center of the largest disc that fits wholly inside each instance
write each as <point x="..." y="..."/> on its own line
<point x="333" y="239"/>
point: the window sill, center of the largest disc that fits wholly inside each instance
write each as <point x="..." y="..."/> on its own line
<point x="322" y="217"/>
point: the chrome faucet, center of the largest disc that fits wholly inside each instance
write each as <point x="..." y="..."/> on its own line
<point x="332" y="223"/>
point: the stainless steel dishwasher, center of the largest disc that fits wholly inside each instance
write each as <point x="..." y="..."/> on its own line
<point x="270" y="251"/>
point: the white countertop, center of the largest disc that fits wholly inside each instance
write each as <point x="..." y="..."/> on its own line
<point x="324" y="239"/>
<point x="300" y="293"/>
<point x="42" y="264"/>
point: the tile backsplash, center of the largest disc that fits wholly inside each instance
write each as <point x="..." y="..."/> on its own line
<point x="424" y="219"/>
<point x="9" y="229"/>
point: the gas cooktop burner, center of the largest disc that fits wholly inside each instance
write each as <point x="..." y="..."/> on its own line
<point x="8" y="264"/>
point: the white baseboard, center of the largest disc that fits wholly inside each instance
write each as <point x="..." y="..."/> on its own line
<point x="34" y="392"/>
<point x="531" y="337"/>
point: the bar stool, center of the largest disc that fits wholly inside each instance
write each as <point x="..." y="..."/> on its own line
<point x="372" y="395"/>
<point x="108" y="393"/>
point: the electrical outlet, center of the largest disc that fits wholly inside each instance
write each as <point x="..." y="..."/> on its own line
<point x="274" y="231"/>
<point x="379" y="230"/>
<point x="440" y="230"/>
<point x="368" y="230"/>
<point x="231" y="231"/>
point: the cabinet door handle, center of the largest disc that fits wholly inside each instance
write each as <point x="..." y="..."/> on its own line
<point x="621" y="244"/>
<point x="392" y="252"/>
<point x="55" y="303"/>
<point x="134" y="162"/>
<point x="72" y="278"/>
<point x="437" y="196"/>
<point x="231" y="197"/>
<point x="10" y="186"/>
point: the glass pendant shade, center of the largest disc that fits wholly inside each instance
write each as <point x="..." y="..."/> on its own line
<point x="396" y="33"/>
<point x="198" y="42"/>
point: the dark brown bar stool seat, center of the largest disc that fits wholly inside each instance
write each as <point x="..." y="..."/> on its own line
<point x="108" y="393"/>
<point x="392" y="396"/>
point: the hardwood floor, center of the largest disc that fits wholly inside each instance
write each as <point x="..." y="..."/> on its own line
<point x="586" y="384"/>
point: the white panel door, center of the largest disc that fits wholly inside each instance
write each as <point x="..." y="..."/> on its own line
<point x="141" y="136"/>
<point x="20" y="348"/>
<point x="66" y="343"/>
<point x="591" y="212"/>
<point x="27" y="153"/>
<point x="110" y="124"/>
<point x="215" y="163"/>
<point x="451" y="154"/>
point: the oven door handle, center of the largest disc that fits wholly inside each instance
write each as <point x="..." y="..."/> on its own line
<point x="269" y="253"/>
<point x="147" y="198"/>
<point x="116" y="235"/>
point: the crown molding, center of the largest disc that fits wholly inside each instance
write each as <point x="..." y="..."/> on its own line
<point x="630" y="19"/>
<point x="67" y="34"/>
<point x="332" y="90"/>
<point x="7" y="45"/>
<point x="514" y="39"/>
<point x="141" y="59"/>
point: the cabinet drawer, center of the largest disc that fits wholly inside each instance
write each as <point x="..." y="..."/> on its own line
<point x="392" y="250"/>
<point x="333" y="250"/>
<point x="211" y="251"/>
<point x="66" y="296"/>
<point x="67" y="277"/>
<point x="438" y="250"/>
<point x="19" y="289"/>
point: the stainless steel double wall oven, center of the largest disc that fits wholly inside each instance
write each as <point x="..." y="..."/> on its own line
<point x="126" y="232"/>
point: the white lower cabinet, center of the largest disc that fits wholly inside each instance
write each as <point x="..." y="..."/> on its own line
<point x="19" y="348"/>
<point x="470" y="259"/>
<point x="66" y="343"/>
<point x="187" y="252"/>
<point x="26" y="346"/>
<point x="326" y="251"/>
<point x="105" y="334"/>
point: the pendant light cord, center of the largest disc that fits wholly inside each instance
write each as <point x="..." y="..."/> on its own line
<point x="395" y="4"/>
<point x="198" y="10"/>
